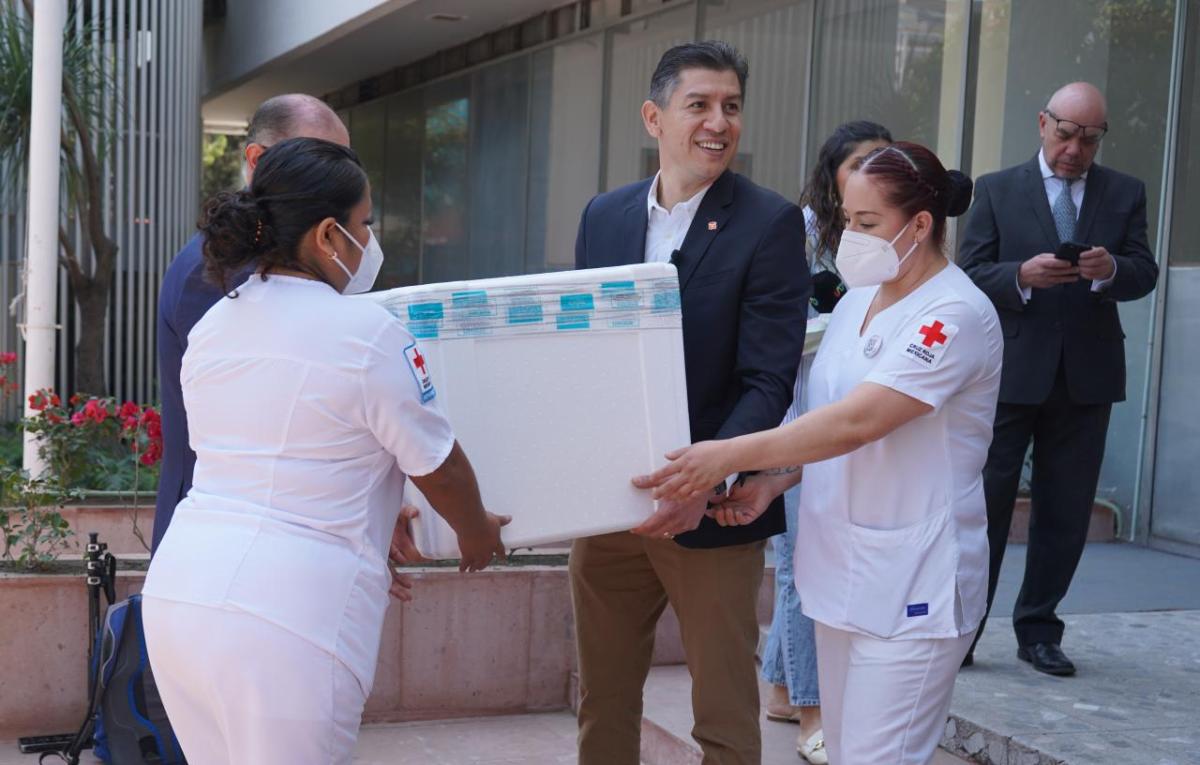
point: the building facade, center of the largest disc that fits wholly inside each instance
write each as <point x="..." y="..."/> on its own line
<point x="484" y="145"/>
<point x="149" y="157"/>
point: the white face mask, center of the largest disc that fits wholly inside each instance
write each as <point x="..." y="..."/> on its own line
<point x="363" y="279"/>
<point x="864" y="260"/>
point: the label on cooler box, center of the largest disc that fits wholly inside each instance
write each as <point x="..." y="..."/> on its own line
<point x="522" y="310"/>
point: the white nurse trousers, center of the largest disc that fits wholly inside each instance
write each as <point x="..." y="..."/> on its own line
<point x="239" y="689"/>
<point x="885" y="701"/>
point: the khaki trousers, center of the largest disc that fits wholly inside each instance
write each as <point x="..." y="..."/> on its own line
<point x="620" y="584"/>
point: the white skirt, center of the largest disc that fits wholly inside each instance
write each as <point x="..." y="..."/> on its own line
<point x="239" y="689"/>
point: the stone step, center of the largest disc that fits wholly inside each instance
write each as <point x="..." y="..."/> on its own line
<point x="667" y="724"/>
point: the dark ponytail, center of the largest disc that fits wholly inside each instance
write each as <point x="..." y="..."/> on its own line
<point x="913" y="179"/>
<point x="297" y="184"/>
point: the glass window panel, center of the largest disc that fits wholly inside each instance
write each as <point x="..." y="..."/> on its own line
<point x="564" y="170"/>
<point x="896" y="62"/>
<point x="498" y="166"/>
<point x="369" y="139"/>
<point x="774" y="36"/>
<point x="635" y="49"/>
<point x="1174" y="514"/>
<point x="444" y="244"/>
<point x="401" y="214"/>
<point x="1185" y="233"/>
<point x="1029" y="48"/>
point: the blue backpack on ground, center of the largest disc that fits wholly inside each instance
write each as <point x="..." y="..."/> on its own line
<point x="126" y="723"/>
<point x="131" y="725"/>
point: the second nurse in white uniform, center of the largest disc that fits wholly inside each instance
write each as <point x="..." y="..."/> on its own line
<point x="900" y="401"/>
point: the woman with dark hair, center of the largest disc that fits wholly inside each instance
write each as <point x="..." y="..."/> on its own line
<point x="789" y="661"/>
<point x="822" y="202"/>
<point x="897" y="425"/>
<point x="264" y="604"/>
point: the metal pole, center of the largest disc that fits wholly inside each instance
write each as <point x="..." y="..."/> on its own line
<point x="41" y="259"/>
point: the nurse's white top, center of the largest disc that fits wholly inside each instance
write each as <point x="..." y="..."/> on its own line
<point x="892" y="538"/>
<point x="306" y="409"/>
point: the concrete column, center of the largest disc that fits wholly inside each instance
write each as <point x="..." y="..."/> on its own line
<point x="41" y="258"/>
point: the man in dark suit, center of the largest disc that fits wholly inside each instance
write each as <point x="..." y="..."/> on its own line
<point x="1064" y="351"/>
<point x="186" y="295"/>
<point x="744" y="289"/>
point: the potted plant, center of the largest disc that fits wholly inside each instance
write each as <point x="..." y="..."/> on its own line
<point x="100" y="448"/>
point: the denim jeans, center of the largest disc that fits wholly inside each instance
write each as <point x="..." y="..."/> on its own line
<point x="790" y="658"/>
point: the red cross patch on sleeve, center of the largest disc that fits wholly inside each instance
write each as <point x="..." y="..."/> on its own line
<point x="929" y="341"/>
<point x="420" y="369"/>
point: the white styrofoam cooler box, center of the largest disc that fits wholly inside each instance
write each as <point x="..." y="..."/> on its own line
<point x="561" y="387"/>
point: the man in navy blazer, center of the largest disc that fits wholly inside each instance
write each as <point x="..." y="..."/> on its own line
<point x="1064" y="350"/>
<point x="744" y="288"/>
<point x="186" y="295"/>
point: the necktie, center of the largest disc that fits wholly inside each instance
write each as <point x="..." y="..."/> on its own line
<point x="1065" y="212"/>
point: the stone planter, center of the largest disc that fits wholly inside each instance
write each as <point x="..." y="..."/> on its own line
<point x="114" y="522"/>
<point x="496" y="642"/>
<point x="1103" y="527"/>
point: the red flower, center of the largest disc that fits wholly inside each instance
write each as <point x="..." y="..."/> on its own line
<point x="78" y="418"/>
<point x="152" y="454"/>
<point x="95" y="411"/>
<point x="53" y="418"/>
<point x="39" y="401"/>
<point x="129" y="423"/>
<point x="129" y="409"/>
<point x="55" y="400"/>
<point x="8" y="358"/>
<point x="152" y="421"/>
<point x="74" y="400"/>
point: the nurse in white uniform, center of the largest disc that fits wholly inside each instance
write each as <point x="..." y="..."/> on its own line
<point x="264" y="604"/>
<point x="900" y="405"/>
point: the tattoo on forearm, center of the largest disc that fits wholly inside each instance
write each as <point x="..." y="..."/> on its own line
<point x="784" y="470"/>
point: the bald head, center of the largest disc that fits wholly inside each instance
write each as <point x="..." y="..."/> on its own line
<point x="292" y="115"/>
<point x="1083" y="99"/>
<point x="1071" y="126"/>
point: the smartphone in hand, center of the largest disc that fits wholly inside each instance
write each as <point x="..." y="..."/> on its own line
<point x="1070" y="252"/>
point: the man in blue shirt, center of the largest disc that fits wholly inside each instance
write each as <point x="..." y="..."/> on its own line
<point x="186" y="295"/>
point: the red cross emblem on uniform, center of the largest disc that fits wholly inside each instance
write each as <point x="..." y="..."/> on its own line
<point x="419" y="360"/>
<point x="933" y="334"/>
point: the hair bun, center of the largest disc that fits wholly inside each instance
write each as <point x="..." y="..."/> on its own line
<point x="958" y="193"/>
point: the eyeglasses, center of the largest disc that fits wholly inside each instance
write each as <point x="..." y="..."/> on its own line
<point x="1065" y="130"/>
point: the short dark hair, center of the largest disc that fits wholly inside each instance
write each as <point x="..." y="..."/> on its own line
<point x="714" y="55"/>
<point x="298" y="183"/>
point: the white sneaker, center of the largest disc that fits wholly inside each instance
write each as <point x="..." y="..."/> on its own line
<point x="813" y="750"/>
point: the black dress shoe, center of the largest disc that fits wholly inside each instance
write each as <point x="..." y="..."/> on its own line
<point x="1048" y="658"/>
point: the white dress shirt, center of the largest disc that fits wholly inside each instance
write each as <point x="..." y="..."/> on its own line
<point x="666" y="229"/>
<point x="1054" y="187"/>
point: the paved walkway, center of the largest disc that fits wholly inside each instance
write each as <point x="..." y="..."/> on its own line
<point x="1133" y="630"/>
<point x="536" y="739"/>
